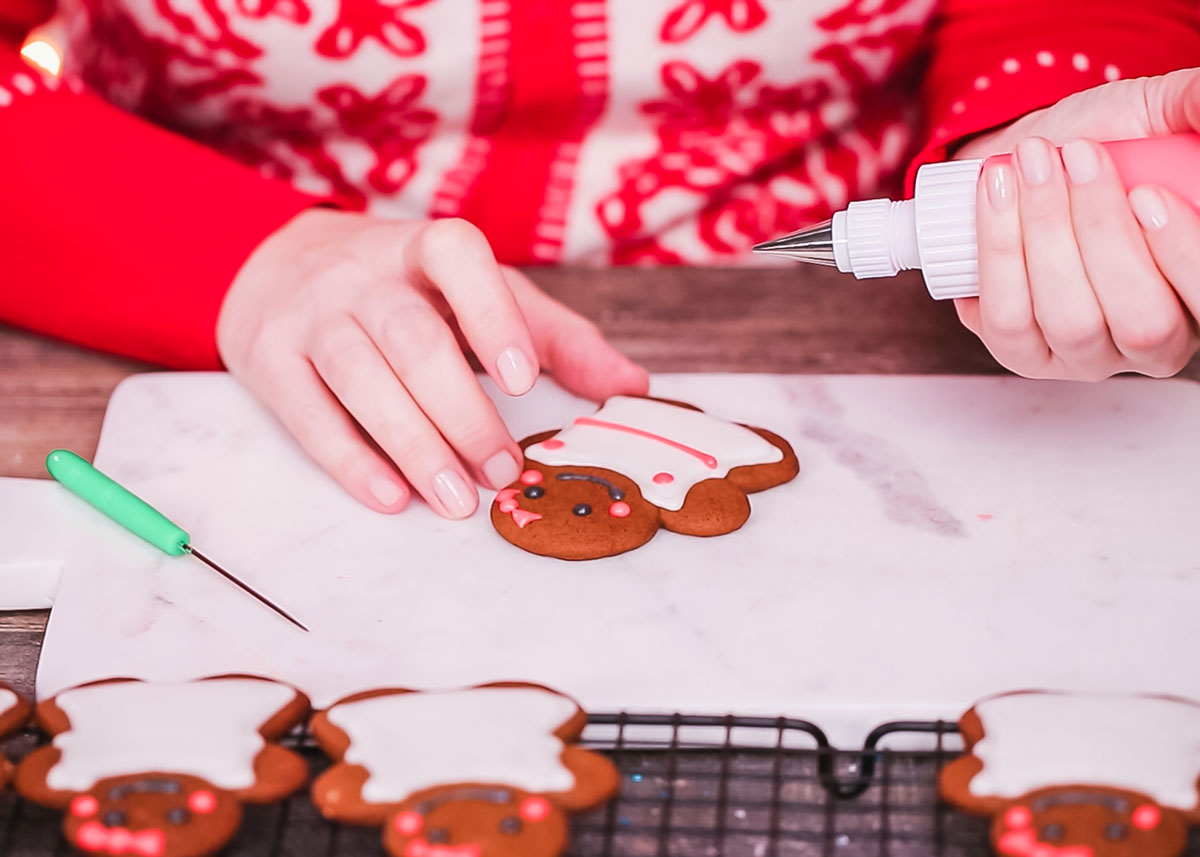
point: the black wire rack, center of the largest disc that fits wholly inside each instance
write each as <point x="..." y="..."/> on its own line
<point x="692" y="786"/>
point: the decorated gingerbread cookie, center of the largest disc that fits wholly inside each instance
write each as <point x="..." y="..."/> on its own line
<point x="14" y="711"/>
<point x="608" y="482"/>
<point x="160" y="769"/>
<point x="1077" y="775"/>
<point x="488" y="771"/>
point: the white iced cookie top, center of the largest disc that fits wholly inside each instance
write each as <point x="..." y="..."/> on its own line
<point x="663" y="448"/>
<point x="1139" y="743"/>
<point x="208" y="729"/>
<point x="492" y="736"/>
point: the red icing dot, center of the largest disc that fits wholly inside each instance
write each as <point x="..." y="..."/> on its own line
<point x="531" y="477"/>
<point x="1018" y="817"/>
<point x="663" y="478"/>
<point x="535" y="809"/>
<point x="619" y="509"/>
<point x="83" y="806"/>
<point x="417" y="848"/>
<point x="1146" y="817"/>
<point x="202" y="801"/>
<point x="91" y="836"/>
<point x="408" y="823"/>
<point x="552" y="443"/>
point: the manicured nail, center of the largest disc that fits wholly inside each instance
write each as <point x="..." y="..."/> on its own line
<point x="500" y="470"/>
<point x="1081" y="161"/>
<point x="1033" y="157"/>
<point x="454" y="493"/>
<point x="516" y="370"/>
<point x="386" y="490"/>
<point x="1000" y="184"/>
<point x="1149" y="207"/>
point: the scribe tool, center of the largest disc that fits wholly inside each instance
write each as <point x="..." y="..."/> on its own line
<point x="136" y="515"/>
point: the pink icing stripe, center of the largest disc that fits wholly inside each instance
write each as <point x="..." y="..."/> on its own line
<point x="709" y="461"/>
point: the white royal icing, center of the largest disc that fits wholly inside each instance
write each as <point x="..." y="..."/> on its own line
<point x="208" y="729"/>
<point x="8" y="700"/>
<point x="1139" y="743"/>
<point x="641" y="459"/>
<point x="494" y="736"/>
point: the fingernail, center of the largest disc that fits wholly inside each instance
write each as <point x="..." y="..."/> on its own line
<point x="454" y="493"/>
<point x="516" y="370"/>
<point x="1148" y="207"/>
<point x="500" y="469"/>
<point x="387" y="491"/>
<point x="1079" y="157"/>
<point x="1033" y="157"/>
<point x="1000" y="184"/>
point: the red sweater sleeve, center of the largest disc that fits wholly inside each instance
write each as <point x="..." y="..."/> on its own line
<point x="117" y="234"/>
<point x="995" y="60"/>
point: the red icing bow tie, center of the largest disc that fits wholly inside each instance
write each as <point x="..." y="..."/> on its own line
<point x="507" y="499"/>
<point x="97" y="838"/>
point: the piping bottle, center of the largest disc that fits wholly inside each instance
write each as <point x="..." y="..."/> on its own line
<point x="935" y="230"/>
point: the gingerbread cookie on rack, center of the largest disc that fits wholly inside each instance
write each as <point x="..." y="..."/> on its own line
<point x="1078" y="775"/>
<point x="161" y="769"/>
<point x="488" y="771"/>
<point x="14" y="711"/>
<point x="608" y="482"/>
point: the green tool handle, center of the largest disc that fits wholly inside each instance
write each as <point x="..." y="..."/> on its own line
<point x="126" y="508"/>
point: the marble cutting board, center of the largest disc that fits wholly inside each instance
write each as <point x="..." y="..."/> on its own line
<point x="947" y="538"/>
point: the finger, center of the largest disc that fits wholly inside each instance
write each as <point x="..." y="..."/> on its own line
<point x="1064" y="303"/>
<point x="1006" y="319"/>
<point x="573" y="349"/>
<point x="425" y="355"/>
<point x="1142" y="312"/>
<point x="1172" y="230"/>
<point x="968" y="314"/>
<point x="454" y="257"/>
<point x="289" y="386"/>
<point x="358" y="375"/>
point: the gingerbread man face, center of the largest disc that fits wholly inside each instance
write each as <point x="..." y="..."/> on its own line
<point x="152" y="815"/>
<point x="1080" y="775"/>
<point x="474" y="821"/>
<point x="1083" y="822"/>
<point x="607" y="483"/>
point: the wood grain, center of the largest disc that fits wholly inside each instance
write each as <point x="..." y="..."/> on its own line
<point x="789" y="320"/>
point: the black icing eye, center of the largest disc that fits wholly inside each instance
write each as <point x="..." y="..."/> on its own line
<point x="582" y="509"/>
<point x="1116" y="831"/>
<point x="438" y="836"/>
<point x="178" y="815"/>
<point x="510" y="824"/>
<point x="534" y="491"/>
<point x="1052" y="833"/>
<point x="113" y="818"/>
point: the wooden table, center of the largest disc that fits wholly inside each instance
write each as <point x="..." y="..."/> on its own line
<point x="788" y="320"/>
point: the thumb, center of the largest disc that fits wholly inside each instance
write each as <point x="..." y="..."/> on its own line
<point x="573" y="349"/>
<point x="1173" y="102"/>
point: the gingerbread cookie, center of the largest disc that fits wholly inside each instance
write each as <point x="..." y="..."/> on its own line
<point x="1078" y="775"/>
<point x="488" y="771"/>
<point x="160" y="769"/>
<point x="608" y="482"/>
<point x="14" y="711"/>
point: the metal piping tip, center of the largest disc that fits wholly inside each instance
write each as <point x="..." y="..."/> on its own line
<point x="813" y="245"/>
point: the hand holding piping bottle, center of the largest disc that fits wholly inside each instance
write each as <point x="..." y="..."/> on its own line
<point x="1079" y="279"/>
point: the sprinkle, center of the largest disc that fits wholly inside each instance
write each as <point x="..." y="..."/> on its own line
<point x="1111" y="72"/>
<point x="1011" y="66"/>
<point x="1045" y="59"/>
<point x="958" y="107"/>
<point x="1080" y="62"/>
<point x="637" y="778"/>
<point x="982" y="83"/>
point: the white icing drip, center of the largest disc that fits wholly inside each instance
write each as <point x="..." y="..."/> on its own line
<point x="8" y="700"/>
<point x="1139" y="743"/>
<point x="208" y="729"/>
<point x="641" y="459"/>
<point x="495" y="736"/>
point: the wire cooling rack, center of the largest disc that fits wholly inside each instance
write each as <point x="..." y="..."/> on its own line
<point x="692" y="786"/>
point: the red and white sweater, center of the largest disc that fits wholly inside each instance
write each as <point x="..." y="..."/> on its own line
<point x="182" y="132"/>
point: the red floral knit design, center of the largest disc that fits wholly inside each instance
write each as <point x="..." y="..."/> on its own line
<point x="688" y="17"/>
<point x="382" y="20"/>
<point x="392" y="123"/>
